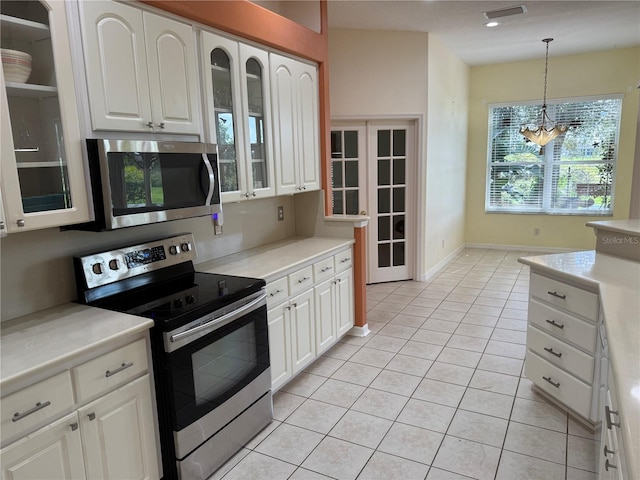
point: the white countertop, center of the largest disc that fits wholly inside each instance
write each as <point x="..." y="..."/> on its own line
<point x="275" y="260"/>
<point x="36" y="343"/>
<point x="629" y="227"/>
<point x="618" y="281"/>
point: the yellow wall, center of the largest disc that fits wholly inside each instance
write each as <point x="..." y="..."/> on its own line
<point x="606" y="72"/>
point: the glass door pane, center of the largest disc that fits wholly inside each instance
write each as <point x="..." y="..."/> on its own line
<point x="34" y="106"/>
<point x="258" y="158"/>
<point x="348" y="171"/>
<point x="223" y="103"/>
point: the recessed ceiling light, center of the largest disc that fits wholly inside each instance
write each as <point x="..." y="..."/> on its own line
<point x="492" y="24"/>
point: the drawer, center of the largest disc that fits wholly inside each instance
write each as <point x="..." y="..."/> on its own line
<point x="109" y="371"/>
<point x="572" y="299"/>
<point x="561" y="385"/>
<point x="323" y="269"/>
<point x="36" y="405"/>
<point x="277" y="291"/>
<point x="300" y="280"/>
<point x="561" y="354"/>
<point x="564" y="326"/>
<point x="343" y="260"/>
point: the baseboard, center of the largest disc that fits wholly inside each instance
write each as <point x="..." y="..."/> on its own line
<point x="522" y="248"/>
<point x="441" y="264"/>
<point x="359" y="331"/>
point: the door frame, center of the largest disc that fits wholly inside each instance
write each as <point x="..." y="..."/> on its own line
<point x="419" y="186"/>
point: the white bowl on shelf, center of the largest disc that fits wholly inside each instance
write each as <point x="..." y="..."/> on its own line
<point x="16" y="65"/>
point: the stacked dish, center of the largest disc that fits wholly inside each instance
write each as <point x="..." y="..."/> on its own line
<point x="16" y="65"/>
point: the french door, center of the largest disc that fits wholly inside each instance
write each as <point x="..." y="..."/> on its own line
<point x="373" y="165"/>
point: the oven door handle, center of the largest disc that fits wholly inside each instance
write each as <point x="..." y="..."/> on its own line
<point x="212" y="179"/>
<point x="193" y="331"/>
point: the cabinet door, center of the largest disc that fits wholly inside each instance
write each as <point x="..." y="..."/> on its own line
<point x="325" y="315"/>
<point x="308" y="127"/>
<point x="118" y="432"/>
<point x="53" y="452"/>
<point x="43" y="178"/>
<point x="303" y="344"/>
<point x="285" y="127"/>
<point x="172" y="72"/>
<point x="279" y="345"/>
<point x="344" y="301"/>
<point x="116" y="64"/>
<point x="220" y="60"/>
<point x="258" y="170"/>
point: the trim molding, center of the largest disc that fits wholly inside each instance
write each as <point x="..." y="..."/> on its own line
<point x="441" y="264"/>
<point x="359" y="331"/>
<point x="522" y="248"/>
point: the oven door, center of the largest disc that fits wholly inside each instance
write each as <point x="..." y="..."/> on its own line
<point x="218" y="375"/>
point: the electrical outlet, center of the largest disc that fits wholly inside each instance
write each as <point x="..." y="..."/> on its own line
<point x="280" y="213"/>
<point x="536" y="231"/>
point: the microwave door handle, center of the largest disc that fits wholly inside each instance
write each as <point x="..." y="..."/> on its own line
<point x="212" y="179"/>
<point x="224" y="318"/>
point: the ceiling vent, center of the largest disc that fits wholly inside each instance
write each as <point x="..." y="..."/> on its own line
<point x="505" y="12"/>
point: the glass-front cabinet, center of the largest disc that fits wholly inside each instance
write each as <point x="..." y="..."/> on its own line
<point x="237" y="91"/>
<point x="43" y="183"/>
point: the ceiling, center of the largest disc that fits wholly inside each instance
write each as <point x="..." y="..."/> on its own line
<point x="575" y="26"/>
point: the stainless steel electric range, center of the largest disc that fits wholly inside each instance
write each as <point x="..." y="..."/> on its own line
<point x="209" y="345"/>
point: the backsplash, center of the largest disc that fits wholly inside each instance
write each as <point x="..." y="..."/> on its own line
<point x="37" y="270"/>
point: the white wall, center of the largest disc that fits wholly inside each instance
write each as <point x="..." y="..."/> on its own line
<point x="446" y="144"/>
<point x="37" y="268"/>
<point x="411" y="75"/>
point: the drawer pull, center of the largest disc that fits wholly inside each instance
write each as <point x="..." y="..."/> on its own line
<point x="555" y="384"/>
<point x="550" y="350"/>
<point x="607" y="417"/>
<point x="608" y="465"/>
<point x="92" y="416"/>
<point x="122" y="367"/>
<point x="273" y="294"/>
<point x="557" y="295"/>
<point x="39" y="406"/>
<point x="73" y="426"/>
<point x="555" y="324"/>
<point x="304" y="279"/>
<point x="607" y="451"/>
<point x="325" y="269"/>
<point x="344" y="260"/>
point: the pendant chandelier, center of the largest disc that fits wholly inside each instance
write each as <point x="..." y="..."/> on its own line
<point x="543" y="134"/>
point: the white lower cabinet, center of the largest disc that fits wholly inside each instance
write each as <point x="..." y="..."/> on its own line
<point x="111" y="437"/>
<point x="309" y="310"/>
<point x="54" y="451"/>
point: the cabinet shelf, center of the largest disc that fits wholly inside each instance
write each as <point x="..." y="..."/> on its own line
<point x="40" y="164"/>
<point x="30" y="90"/>
<point x="24" y="29"/>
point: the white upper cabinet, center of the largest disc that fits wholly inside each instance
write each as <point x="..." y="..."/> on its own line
<point x="141" y="70"/>
<point x="294" y="93"/>
<point x="43" y="179"/>
<point x="238" y="105"/>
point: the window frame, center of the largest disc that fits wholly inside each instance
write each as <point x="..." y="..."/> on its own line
<point x="547" y="162"/>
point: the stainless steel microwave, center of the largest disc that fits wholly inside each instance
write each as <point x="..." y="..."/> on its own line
<point x="140" y="182"/>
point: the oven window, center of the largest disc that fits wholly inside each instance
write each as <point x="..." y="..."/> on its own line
<point x="220" y="366"/>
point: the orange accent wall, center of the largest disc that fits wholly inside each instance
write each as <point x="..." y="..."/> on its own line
<point x="359" y="272"/>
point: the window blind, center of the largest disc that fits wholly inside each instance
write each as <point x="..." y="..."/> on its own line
<point x="572" y="174"/>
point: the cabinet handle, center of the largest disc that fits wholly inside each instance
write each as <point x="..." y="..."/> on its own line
<point x="39" y="406"/>
<point x="344" y="260"/>
<point x="20" y="223"/>
<point x="303" y="279"/>
<point x="557" y="295"/>
<point x="555" y="324"/>
<point x="555" y="384"/>
<point x="550" y="350"/>
<point x="608" y="465"/>
<point x="122" y="367"/>
<point x="607" y="417"/>
<point x="74" y="426"/>
<point x="92" y="416"/>
<point x="273" y="294"/>
<point x="1" y="225"/>
<point x="607" y="451"/>
<point x="161" y="125"/>
<point x="149" y="124"/>
<point x="253" y="194"/>
<point x="325" y="269"/>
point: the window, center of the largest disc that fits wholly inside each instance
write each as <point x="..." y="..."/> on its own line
<point x="571" y="175"/>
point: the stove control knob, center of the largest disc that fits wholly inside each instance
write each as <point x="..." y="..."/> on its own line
<point x="97" y="268"/>
<point x="114" y="264"/>
<point x="185" y="246"/>
<point x="190" y="299"/>
<point x="177" y="303"/>
<point x="173" y="250"/>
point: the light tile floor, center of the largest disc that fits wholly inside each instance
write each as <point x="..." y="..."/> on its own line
<point x="436" y="391"/>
